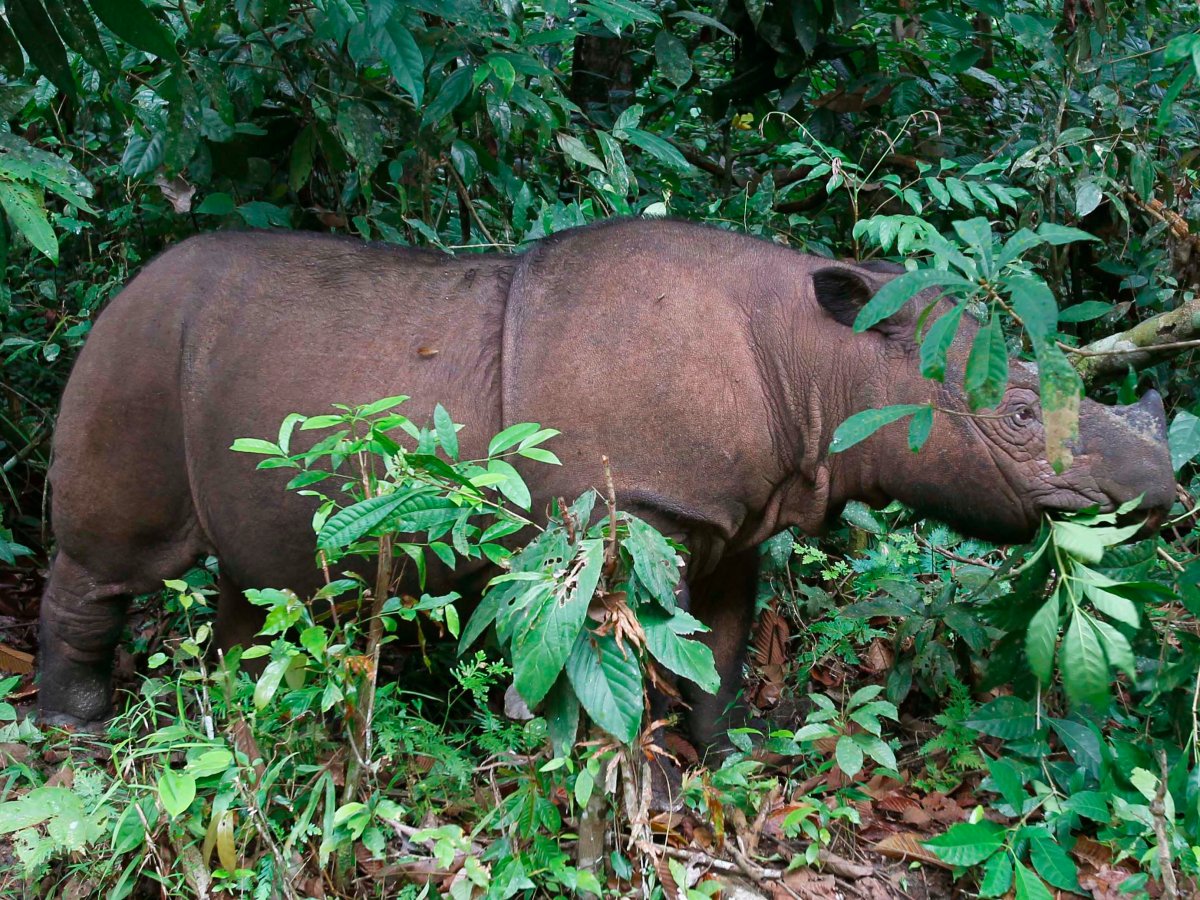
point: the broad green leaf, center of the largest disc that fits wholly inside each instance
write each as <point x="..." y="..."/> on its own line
<point x="1041" y="639"/>
<point x="673" y="59"/>
<point x="562" y="716"/>
<point x="1008" y="782"/>
<point x="659" y="148"/>
<point x="268" y="681"/>
<point x="27" y="215"/>
<point x="348" y="525"/>
<point x="608" y="683"/>
<point x="1113" y="605"/>
<point x="132" y="22"/>
<point x="1183" y="437"/>
<point x="1022" y="241"/>
<point x="143" y="155"/>
<point x="986" y="375"/>
<point x="654" y="561"/>
<point x="1117" y="649"/>
<point x="1034" y="303"/>
<point x="176" y="791"/>
<point x="454" y="90"/>
<point x="77" y="28"/>
<point x="578" y="151"/>
<point x="1083" y="742"/>
<point x="861" y="426"/>
<point x="890" y="298"/>
<point x="1083" y="663"/>
<point x="1029" y="886"/>
<point x="1087" y="197"/>
<point x="919" y="428"/>
<point x="396" y="47"/>
<point x="1062" y="234"/>
<point x="1051" y="861"/>
<point x="256" y="445"/>
<point x="541" y="649"/>
<point x="1078" y="540"/>
<point x="997" y="876"/>
<point x="511" y="436"/>
<point x="849" y="755"/>
<point x="1090" y="805"/>
<point x="447" y="436"/>
<point x="686" y="657"/>
<point x="1085" y="311"/>
<point x="513" y="486"/>
<point x="968" y="844"/>
<point x="1008" y="718"/>
<point x="41" y="42"/>
<point x="937" y="343"/>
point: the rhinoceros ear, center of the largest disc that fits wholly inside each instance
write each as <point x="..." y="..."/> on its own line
<point x="843" y="291"/>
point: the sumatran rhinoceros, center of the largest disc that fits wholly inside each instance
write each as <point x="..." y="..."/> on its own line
<point x="710" y="367"/>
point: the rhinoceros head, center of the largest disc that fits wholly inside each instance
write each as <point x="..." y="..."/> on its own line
<point x="988" y="474"/>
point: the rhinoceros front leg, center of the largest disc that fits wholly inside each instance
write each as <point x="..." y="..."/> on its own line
<point x="81" y="621"/>
<point x="724" y="601"/>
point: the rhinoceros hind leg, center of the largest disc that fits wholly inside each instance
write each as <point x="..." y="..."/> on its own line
<point x="238" y="620"/>
<point x="81" y="621"/>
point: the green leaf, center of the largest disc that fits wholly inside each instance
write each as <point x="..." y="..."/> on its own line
<point x="37" y="35"/>
<point x="1017" y="246"/>
<point x="919" y="428"/>
<point x="133" y="22"/>
<point x="654" y="561"/>
<point x="986" y="375"/>
<point x="511" y="436"/>
<point x="77" y="28"/>
<point x="1090" y="805"/>
<point x="348" y="525"/>
<point x="608" y="683"/>
<point x="1041" y="639"/>
<point x="268" y="681"/>
<point x="143" y="155"/>
<point x="512" y="487"/>
<point x="396" y="47"/>
<point x="550" y="629"/>
<point x="890" y="298"/>
<point x="1183" y="437"/>
<point x="660" y="149"/>
<point x="27" y="215"/>
<point x="1083" y="663"/>
<point x="562" y="716"/>
<point x="686" y="657"/>
<point x="447" y="436"/>
<point x="1008" y="782"/>
<point x="1182" y="80"/>
<point x="1087" y="197"/>
<point x="176" y="791"/>
<point x="454" y="90"/>
<point x="937" y="343"/>
<point x="861" y="426"/>
<point x="849" y="755"/>
<point x="578" y="151"/>
<point x="1051" y="861"/>
<point x="1062" y="234"/>
<point x="968" y="844"/>
<point x="997" y="876"/>
<point x="256" y="445"/>
<point x="673" y="59"/>
<point x="1029" y="886"/>
<point x="1085" y="311"/>
<point x="1034" y="303"/>
<point x="1008" y="718"/>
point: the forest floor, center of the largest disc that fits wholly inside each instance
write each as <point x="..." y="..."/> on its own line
<point x="872" y="849"/>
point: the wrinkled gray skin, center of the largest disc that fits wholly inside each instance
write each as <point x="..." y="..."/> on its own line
<point x="710" y="367"/>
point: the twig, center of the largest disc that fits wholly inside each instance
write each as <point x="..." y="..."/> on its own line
<point x="465" y="196"/>
<point x="1171" y="561"/>
<point x="610" y="549"/>
<point x="1158" y="811"/>
<point x="1117" y="351"/>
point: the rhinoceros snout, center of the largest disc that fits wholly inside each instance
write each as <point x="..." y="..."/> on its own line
<point x="1127" y="448"/>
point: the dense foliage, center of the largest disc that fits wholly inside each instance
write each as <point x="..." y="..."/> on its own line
<point x="1038" y="159"/>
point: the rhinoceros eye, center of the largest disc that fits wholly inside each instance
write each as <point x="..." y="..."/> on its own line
<point x="1023" y="414"/>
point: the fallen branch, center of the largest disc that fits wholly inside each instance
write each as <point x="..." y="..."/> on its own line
<point x="1140" y="346"/>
